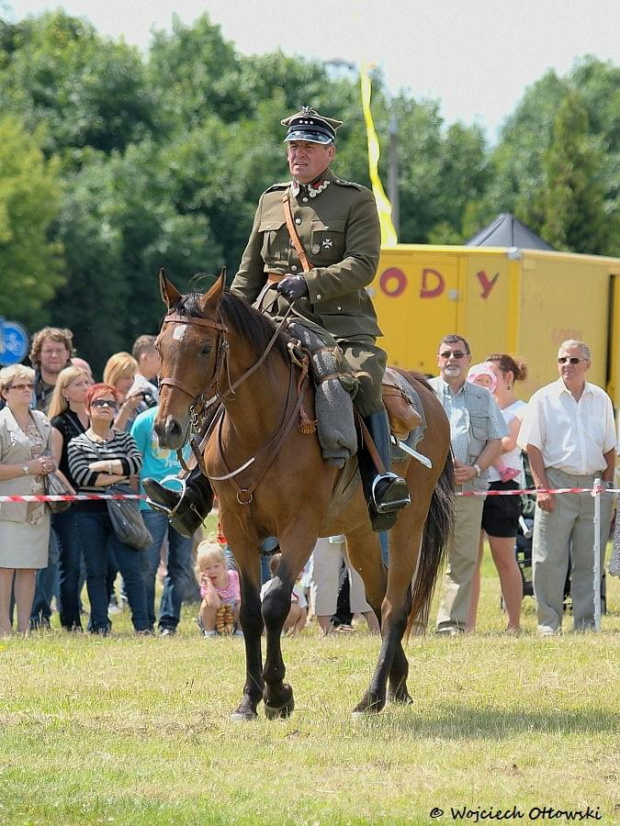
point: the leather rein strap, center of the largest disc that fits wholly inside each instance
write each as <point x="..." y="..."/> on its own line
<point x="292" y="409"/>
<point x="269" y="451"/>
<point x="222" y="348"/>
<point x="292" y="231"/>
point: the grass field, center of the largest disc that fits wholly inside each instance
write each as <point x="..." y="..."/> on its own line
<point x="127" y="730"/>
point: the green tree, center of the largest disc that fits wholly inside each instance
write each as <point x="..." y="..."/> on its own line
<point x="197" y="72"/>
<point x="570" y="208"/>
<point x="520" y="162"/>
<point x="88" y="90"/>
<point x="119" y="224"/>
<point x="30" y="193"/>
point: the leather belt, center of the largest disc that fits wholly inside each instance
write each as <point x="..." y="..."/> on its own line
<point x="274" y="277"/>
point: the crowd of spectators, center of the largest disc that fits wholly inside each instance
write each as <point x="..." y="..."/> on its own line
<point x="55" y="417"/>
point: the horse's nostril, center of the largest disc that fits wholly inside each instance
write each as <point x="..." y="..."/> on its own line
<point x="173" y="428"/>
<point x="169" y="433"/>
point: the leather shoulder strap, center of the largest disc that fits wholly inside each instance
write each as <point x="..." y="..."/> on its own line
<point x="292" y="231"/>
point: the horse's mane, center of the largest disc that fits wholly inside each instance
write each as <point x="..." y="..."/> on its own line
<point x="256" y="328"/>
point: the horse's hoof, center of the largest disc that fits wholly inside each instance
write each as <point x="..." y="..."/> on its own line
<point x="280" y="712"/>
<point x="368" y="706"/>
<point x="243" y="716"/>
<point x="245" y="711"/>
<point x="400" y="697"/>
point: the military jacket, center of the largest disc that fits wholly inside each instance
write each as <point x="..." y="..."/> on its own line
<point x="338" y="225"/>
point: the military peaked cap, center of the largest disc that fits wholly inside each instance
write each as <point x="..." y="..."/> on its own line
<point x="308" y="125"/>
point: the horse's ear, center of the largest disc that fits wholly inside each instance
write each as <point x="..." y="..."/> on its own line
<point x="169" y="293"/>
<point x="212" y="298"/>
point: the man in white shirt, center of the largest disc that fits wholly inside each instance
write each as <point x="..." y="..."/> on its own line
<point x="569" y="434"/>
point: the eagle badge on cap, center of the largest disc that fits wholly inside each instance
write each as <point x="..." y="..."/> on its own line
<point x="308" y="125"/>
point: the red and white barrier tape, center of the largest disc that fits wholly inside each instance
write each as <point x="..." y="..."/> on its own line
<point x="79" y="497"/>
<point x="88" y="497"/>
<point x="594" y="490"/>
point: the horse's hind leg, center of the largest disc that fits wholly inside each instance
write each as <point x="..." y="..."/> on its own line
<point x="365" y="556"/>
<point x="392" y="664"/>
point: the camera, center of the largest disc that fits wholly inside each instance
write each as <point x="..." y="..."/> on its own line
<point x="149" y="399"/>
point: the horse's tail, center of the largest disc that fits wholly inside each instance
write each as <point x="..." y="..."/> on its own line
<point x="437" y="530"/>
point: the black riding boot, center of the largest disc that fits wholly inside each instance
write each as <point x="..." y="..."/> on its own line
<point x="386" y="493"/>
<point x="187" y="510"/>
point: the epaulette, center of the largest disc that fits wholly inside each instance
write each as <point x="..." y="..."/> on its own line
<point x="342" y="182"/>
<point x="274" y="187"/>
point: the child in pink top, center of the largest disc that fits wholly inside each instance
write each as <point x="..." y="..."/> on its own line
<point x="483" y="376"/>
<point x="220" y="592"/>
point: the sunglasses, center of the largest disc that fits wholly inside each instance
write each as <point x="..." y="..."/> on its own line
<point x="28" y="386"/>
<point x="104" y="403"/>
<point x="570" y="360"/>
<point x="457" y="354"/>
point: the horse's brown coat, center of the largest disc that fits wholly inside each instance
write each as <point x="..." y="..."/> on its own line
<point x="292" y="498"/>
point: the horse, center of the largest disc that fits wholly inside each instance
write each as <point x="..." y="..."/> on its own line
<point x="271" y="480"/>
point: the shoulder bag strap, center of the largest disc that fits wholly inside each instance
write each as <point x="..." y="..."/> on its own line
<point x="292" y="231"/>
<point x="76" y="430"/>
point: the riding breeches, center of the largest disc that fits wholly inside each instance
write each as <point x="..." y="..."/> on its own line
<point x="369" y="362"/>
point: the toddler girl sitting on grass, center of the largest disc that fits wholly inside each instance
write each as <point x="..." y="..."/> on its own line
<point x="220" y="592"/>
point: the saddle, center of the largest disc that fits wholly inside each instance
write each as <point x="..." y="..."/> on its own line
<point x="335" y="385"/>
<point x="399" y="403"/>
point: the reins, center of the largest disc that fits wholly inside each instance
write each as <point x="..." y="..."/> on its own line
<point x="222" y="356"/>
<point x="292" y="408"/>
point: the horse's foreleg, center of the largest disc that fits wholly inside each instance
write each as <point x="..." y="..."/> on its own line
<point x="278" y="695"/>
<point x="296" y="545"/>
<point x="252" y="626"/>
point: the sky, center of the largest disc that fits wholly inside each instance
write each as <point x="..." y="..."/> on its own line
<point x="476" y="57"/>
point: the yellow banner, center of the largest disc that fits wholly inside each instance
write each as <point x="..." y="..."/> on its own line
<point x="384" y="207"/>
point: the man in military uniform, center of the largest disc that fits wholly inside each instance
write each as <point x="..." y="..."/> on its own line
<point x="338" y="227"/>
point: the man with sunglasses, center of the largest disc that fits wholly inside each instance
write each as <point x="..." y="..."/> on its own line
<point x="569" y="434"/>
<point x="477" y="428"/>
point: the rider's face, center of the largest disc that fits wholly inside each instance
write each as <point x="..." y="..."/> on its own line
<point x="307" y="160"/>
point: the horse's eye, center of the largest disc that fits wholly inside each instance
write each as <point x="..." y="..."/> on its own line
<point x="207" y="348"/>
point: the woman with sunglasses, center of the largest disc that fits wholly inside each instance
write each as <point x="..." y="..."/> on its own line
<point x="99" y="457"/>
<point x="25" y="437"/>
<point x="69" y="419"/>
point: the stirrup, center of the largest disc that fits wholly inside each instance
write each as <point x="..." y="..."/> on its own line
<point x="169" y="512"/>
<point x="394" y="505"/>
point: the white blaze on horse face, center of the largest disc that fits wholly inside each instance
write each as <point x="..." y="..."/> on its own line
<point x="178" y="334"/>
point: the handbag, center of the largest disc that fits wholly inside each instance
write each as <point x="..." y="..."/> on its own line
<point x="127" y="519"/>
<point x="54" y="486"/>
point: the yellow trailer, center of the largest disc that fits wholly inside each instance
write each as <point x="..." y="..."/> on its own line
<point x="518" y="301"/>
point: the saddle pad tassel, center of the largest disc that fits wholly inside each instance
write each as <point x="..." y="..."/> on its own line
<point x="306" y="426"/>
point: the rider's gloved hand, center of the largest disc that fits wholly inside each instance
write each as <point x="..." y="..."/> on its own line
<point x="293" y="287"/>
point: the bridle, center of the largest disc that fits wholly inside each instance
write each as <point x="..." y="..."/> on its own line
<point x="205" y="398"/>
<point x="199" y="400"/>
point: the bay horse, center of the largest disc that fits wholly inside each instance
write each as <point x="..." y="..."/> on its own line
<point x="271" y="480"/>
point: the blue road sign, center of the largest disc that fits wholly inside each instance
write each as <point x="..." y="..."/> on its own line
<point x="13" y="342"/>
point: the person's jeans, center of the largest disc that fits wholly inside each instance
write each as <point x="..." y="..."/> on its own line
<point x="179" y="570"/>
<point x="98" y="540"/>
<point x="65" y="525"/>
<point x="41" y="611"/>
